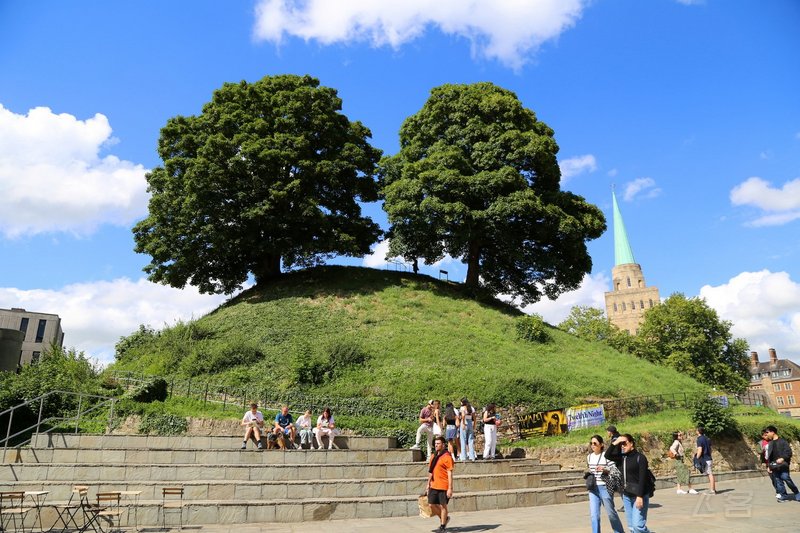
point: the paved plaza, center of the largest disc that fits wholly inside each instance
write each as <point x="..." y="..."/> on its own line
<point x="741" y="506"/>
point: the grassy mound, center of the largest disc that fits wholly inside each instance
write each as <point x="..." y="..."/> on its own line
<point x="351" y="332"/>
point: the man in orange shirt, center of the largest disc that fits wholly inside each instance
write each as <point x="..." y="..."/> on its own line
<point x="440" y="481"/>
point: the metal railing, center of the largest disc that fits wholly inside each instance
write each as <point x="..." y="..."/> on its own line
<point x="87" y="403"/>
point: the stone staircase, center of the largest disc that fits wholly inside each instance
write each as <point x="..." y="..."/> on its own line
<point x="367" y="477"/>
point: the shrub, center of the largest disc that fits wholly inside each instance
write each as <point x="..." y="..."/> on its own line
<point x="346" y="352"/>
<point x="154" y="390"/>
<point x="716" y="419"/>
<point x="141" y="337"/>
<point x="532" y="329"/>
<point x="163" y="424"/>
<point x="533" y="393"/>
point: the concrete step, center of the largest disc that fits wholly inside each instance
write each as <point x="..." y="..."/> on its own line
<point x="182" y="442"/>
<point x="147" y="512"/>
<point x="231" y="456"/>
<point x="257" y="490"/>
<point x="166" y="472"/>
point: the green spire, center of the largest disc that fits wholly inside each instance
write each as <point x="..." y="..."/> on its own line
<point x="622" y="248"/>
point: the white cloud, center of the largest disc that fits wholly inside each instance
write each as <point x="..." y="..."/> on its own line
<point x="53" y="179"/>
<point x="506" y="30"/>
<point x="763" y="308"/>
<point x="613" y="172"/>
<point x="782" y="205"/>
<point x="640" y="187"/>
<point x="591" y="292"/>
<point x="577" y="165"/>
<point x="95" y="315"/>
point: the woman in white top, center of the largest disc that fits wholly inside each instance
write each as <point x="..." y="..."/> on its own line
<point x="326" y="427"/>
<point x="467" y="430"/>
<point x="676" y="453"/>
<point x="489" y="431"/>
<point x="304" y="428"/>
<point x="597" y="462"/>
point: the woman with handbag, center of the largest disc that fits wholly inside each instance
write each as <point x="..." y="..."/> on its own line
<point x="676" y="453"/>
<point x="596" y="485"/>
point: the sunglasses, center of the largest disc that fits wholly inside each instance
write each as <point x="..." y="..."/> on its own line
<point x="626" y="443"/>
<point x="593" y="443"/>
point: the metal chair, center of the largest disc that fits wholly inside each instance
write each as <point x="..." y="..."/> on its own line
<point x="106" y="509"/>
<point x="66" y="513"/>
<point x="171" y="501"/>
<point x="12" y="508"/>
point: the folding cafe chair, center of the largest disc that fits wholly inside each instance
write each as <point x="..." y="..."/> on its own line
<point x="171" y="501"/>
<point x="12" y="508"/>
<point x="66" y="513"/>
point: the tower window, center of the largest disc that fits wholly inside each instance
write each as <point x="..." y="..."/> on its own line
<point x="633" y="304"/>
<point x="641" y="304"/>
<point x="629" y="282"/>
<point x="615" y="307"/>
<point x="40" y="330"/>
<point x="651" y="302"/>
<point x="623" y="306"/>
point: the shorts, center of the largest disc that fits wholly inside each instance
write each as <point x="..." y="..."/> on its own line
<point x="708" y="471"/>
<point x="437" y="497"/>
<point x="287" y="430"/>
<point x="450" y="432"/>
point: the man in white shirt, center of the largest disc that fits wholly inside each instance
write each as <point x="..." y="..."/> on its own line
<point x="253" y="420"/>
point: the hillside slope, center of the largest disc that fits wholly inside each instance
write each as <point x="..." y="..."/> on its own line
<point x="349" y="331"/>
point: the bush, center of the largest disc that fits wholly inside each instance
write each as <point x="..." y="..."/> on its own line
<point x="163" y="424"/>
<point x="154" y="390"/>
<point x="535" y="394"/>
<point x="716" y="419"/>
<point x="532" y="329"/>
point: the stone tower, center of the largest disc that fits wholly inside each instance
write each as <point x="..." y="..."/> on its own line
<point x="629" y="296"/>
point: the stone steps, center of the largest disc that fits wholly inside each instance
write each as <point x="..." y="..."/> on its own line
<point x="255" y="490"/>
<point x="229" y="456"/>
<point x="310" y="509"/>
<point x="179" y="472"/>
<point x="209" y="442"/>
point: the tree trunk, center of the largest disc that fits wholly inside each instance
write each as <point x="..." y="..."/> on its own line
<point x="269" y="268"/>
<point x="473" y="265"/>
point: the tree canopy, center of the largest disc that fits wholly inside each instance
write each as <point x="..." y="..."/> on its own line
<point x="681" y="333"/>
<point x="268" y="174"/>
<point x="477" y="178"/>
<point x="687" y="335"/>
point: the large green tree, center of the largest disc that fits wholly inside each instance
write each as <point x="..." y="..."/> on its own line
<point x="268" y="174"/>
<point x="477" y="178"/>
<point x="590" y="323"/>
<point x="687" y="335"/>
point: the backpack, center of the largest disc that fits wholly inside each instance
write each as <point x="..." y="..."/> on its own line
<point x="650" y="483"/>
<point x="612" y="477"/>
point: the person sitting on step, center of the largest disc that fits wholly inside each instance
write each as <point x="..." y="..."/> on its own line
<point x="253" y="420"/>
<point x="304" y="424"/>
<point x="284" y="425"/>
<point x="326" y="426"/>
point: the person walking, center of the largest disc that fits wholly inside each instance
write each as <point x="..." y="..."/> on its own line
<point x="440" y="482"/>
<point x="765" y="440"/>
<point x="779" y="457"/>
<point x="450" y="427"/>
<point x="425" y="428"/>
<point x="467" y="430"/>
<point x="677" y="453"/>
<point x="703" y="454"/>
<point x="599" y="496"/>
<point x="489" y="431"/>
<point x="636" y="493"/>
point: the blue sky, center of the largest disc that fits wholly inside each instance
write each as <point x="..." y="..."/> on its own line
<point x="689" y="108"/>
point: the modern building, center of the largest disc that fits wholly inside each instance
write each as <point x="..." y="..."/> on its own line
<point x="41" y="330"/>
<point x="779" y="380"/>
<point x="630" y="297"/>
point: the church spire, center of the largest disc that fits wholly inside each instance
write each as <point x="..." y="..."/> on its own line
<point x="622" y="249"/>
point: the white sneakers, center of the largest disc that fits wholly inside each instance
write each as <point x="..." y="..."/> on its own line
<point x="679" y="491"/>
<point x="692" y="491"/>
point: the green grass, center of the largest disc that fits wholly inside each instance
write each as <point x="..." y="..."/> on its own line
<point x="418" y="338"/>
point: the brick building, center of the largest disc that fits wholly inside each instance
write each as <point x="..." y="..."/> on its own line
<point x="779" y="380"/>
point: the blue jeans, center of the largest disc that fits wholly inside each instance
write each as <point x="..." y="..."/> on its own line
<point x="600" y="496"/>
<point x="782" y="480"/>
<point x="637" y="518"/>
<point x="467" y="438"/>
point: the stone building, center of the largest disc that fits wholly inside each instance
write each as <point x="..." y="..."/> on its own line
<point x="779" y="380"/>
<point x="629" y="297"/>
<point x="41" y="330"/>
